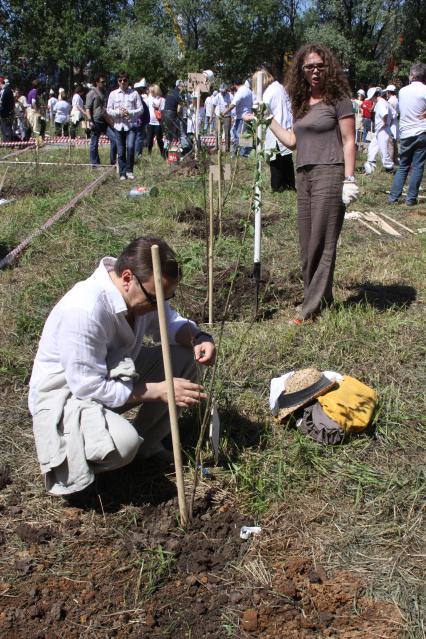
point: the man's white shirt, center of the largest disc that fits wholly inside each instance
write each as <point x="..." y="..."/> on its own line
<point x="128" y="99"/>
<point x="87" y="334"/>
<point x="412" y="104"/>
<point x="243" y="101"/>
<point x="277" y="99"/>
<point x="383" y="113"/>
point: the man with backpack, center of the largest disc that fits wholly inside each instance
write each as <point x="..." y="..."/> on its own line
<point x="100" y="122"/>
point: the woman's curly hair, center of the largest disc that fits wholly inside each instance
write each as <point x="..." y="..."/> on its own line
<point x="336" y="85"/>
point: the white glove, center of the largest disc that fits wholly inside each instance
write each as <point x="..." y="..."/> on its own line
<point x="350" y="192"/>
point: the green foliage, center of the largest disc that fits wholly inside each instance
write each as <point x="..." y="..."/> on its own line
<point x="377" y="41"/>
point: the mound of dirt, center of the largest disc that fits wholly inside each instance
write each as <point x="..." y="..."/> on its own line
<point x="232" y="225"/>
<point x="156" y="581"/>
<point x="273" y="293"/>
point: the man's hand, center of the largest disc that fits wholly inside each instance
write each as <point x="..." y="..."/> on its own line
<point x="205" y="353"/>
<point x="186" y="393"/>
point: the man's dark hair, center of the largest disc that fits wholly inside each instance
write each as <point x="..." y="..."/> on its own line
<point x="137" y="257"/>
<point x="418" y="71"/>
<point x="35" y="83"/>
<point x="123" y="74"/>
<point x="99" y="76"/>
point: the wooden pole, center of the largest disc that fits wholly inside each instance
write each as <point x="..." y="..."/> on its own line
<point x="219" y="168"/>
<point x="168" y="370"/>
<point x="210" y="255"/>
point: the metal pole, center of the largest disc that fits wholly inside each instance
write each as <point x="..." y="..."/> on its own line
<point x="168" y="370"/>
<point x="219" y="168"/>
<point x="257" y="196"/>
<point x="197" y="122"/>
<point x="210" y="256"/>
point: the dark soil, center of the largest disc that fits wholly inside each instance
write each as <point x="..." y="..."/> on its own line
<point x="81" y="578"/>
<point x="274" y="293"/>
<point x="5" y="477"/>
<point x="233" y="224"/>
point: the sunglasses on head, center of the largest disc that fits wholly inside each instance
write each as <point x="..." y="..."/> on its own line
<point x="149" y="296"/>
<point x="310" y="67"/>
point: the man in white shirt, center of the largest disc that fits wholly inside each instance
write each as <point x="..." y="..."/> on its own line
<point x="209" y="106"/>
<point x="412" y="127"/>
<point x="124" y="107"/>
<point x="391" y="97"/>
<point x="383" y="114"/>
<point x="92" y="364"/>
<point x="243" y="103"/>
<point x="51" y="105"/>
<point x="280" y="157"/>
<point x="222" y="101"/>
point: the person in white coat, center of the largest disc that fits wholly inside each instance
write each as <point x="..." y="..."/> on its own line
<point x="393" y="101"/>
<point x="383" y="114"/>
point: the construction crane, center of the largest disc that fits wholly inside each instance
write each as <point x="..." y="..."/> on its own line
<point x="176" y="27"/>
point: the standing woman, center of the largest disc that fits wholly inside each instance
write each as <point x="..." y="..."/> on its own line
<point x="154" y="129"/>
<point x="62" y="110"/>
<point x="323" y="134"/>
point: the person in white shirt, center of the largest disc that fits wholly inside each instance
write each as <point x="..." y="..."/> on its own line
<point x="209" y="105"/>
<point x="154" y="129"/>
<point x="412" y="126"/>
<point x="243" y="103"/>
<point x="383" y="114"/>
<point x="92" y="364"/>
<point x="77" y="110"/>
<point x="222" y="101"/>
<point x="124" y="107"/>
<point x="50" y="106"/>
<point x="280" y="158"/>
<point x="392" y="99"/>
<point x="62" y="110"/>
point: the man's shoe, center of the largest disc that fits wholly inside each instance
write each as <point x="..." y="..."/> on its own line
<point x="122" y="178"/>
<point x="369" y="168"/>
<point x="393" y="201"/>
<point x="130" y="176"/>
<point x="411" y="203"/>
<point x="392" y="170"/>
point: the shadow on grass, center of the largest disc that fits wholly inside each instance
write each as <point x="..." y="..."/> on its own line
<point x="141" y="483"/>
<point x="4" y="250"/>
<point x="147" y="483"/>
<point x="381" y="296"/>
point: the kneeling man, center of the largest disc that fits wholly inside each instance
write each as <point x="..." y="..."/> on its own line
<point x="92" y="364"/>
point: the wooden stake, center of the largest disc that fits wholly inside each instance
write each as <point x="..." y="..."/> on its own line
<point x="370" y="216"/>
<point x="392" y="219"/>
<point x="168" y="370"/>
<point x="219" y="164"/>
<point x="369" y="226"/>
<point x="3" y="179"/>
<point x="210" y="256"/>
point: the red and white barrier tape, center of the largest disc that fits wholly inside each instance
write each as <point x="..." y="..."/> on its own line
<point x="62" y="139"/>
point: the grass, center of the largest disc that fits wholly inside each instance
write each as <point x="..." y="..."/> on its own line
<point x="371" y="490"/>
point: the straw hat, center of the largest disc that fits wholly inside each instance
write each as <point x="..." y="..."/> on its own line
<point x="303" y="386"/>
